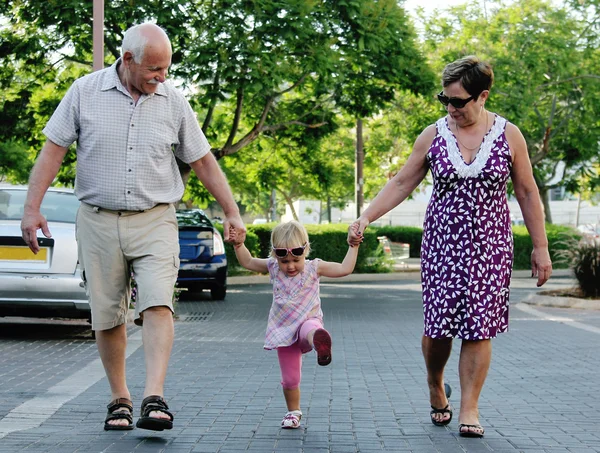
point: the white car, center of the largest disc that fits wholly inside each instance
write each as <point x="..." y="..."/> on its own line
<point x="48" y="284"/>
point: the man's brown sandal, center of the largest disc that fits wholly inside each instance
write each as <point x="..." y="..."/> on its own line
<point x="115" y="414"/>
<point x="150" y="404"/>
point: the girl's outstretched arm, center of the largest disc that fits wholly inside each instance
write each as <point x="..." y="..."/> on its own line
<point x="246" y="260"/>
<point x="330" y="269"/>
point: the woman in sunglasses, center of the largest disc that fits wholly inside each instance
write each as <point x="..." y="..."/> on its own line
<point x="295" y="324"/>
<point x="467" y="247"/>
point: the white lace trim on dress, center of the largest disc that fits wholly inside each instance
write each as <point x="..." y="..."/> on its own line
<point x="473" y="169"/>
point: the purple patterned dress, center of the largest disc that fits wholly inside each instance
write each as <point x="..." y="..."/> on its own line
<point x="467" y="249"/>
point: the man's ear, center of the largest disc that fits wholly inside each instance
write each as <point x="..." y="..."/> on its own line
<point x="127" y="58"/>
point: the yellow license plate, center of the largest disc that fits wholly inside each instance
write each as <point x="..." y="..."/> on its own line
<point x="17" y="253"/>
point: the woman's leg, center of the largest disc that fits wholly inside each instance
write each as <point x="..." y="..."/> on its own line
<point x="473" y="366"/>
<point x="436" y="352"/>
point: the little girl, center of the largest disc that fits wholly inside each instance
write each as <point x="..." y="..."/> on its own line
<point x="295" y="324"/>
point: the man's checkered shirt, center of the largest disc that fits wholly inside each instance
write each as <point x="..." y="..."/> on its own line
<point x="126" y="152"/>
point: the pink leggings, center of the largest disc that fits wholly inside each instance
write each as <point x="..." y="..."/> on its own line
<point x="290" y="357"/>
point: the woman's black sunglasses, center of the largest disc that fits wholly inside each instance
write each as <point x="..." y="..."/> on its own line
<point x="282" y="252"/>
<point x="457" y="103"/>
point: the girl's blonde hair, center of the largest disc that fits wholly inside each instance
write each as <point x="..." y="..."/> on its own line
<point x="289" y="234"/>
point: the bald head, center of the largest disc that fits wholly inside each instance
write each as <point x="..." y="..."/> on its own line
<point x="140" y="38"/>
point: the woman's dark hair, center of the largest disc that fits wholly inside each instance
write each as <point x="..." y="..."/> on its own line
<point x="474" y="75"/>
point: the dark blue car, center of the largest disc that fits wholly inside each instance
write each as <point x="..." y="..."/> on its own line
<point x="202" y="254"/>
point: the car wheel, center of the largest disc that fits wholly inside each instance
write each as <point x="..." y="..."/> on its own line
<point x="218" y="293"/>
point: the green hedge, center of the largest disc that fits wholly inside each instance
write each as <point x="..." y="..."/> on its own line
<point x="522" y="241"/>
<point x="406" y="234"/>
<point x="328" y="242"/>
<point x="556" y="237"/>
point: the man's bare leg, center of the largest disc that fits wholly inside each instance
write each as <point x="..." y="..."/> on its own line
<point x="157" y="335"/>
<point x="112" y="344"/>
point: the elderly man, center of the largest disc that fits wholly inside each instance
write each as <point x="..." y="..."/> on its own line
<point x="129" y="125"/>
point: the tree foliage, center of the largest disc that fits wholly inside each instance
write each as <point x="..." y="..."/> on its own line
<point x="547" y="78"/>
<point x="264" y="68"/>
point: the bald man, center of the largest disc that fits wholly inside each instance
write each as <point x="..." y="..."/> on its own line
<point x="129" y="123"/>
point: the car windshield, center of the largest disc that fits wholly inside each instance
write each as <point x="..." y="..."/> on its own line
<point x="56" y="206"/>
<point x="192" y="218"/>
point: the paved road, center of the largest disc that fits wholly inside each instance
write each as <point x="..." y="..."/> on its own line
<point x="541" y="394"/>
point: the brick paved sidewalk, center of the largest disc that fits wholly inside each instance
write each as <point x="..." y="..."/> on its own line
<point x="540" y="396"/>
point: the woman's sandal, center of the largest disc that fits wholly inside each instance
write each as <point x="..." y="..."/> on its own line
<point x="465" y="430"/>
<point x="446" y="410"/>
<point x="150" y="404"/>
<point x="115" y="414"/>
<point x="291" y="420"/>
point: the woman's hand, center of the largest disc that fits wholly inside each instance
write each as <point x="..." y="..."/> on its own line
<point x="356" y="230"/>
<point x="541" y="265"/>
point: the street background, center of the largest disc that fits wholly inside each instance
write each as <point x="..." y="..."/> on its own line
<point x="541" y="394"/>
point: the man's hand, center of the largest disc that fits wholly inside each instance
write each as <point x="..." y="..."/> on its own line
<point x="234" y="230"/>
<point x="31" y="222"/>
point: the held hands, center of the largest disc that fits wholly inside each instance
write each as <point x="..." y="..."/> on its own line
<point x="234" y="230"/>
<point x="234" y="238"/>
<point x="356" y="230"/>
<point x="31" y="222"/>
<point x="541" y="265"/>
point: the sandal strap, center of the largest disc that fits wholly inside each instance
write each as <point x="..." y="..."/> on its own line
<point x="155" y="403"/>
<point x="119" y="416"/>
<point x="294" y="414"/>
<point x="445" y="410"/>
<point x="464" y="425"/>
<point x="120" y="403"/>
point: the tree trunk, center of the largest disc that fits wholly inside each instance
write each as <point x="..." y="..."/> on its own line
<point x="360" y="156"/>
<point x="545" y="195"/>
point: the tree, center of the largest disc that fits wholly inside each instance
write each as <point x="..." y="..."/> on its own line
<point x="546" y="64"/>
<point x="241" y="58"/>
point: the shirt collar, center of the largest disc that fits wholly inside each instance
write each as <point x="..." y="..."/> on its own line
<point x="112" y="81"/>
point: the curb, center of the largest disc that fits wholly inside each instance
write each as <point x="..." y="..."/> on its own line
<point x="561" y="302"/>
<point x="401" y="272"/>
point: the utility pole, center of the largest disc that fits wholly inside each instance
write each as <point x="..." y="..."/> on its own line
<point x="98" y="34"/>
<point x="360" y="157"/>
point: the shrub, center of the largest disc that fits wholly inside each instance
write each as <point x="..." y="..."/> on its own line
<point x="583" y="256"/>
<point x="523" y="245"/>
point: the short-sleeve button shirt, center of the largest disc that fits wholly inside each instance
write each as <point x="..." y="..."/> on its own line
<point x="126" y="151"/>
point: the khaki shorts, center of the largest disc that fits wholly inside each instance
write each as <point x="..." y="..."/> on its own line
<point x="114" y="244"/>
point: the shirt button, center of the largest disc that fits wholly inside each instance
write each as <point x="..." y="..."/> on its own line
<point x="131" y="124"/>
<point x="129" y="191"/>
<point x="130" y="169"/>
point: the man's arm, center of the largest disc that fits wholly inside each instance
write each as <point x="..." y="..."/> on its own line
<point x="211" y="176"/>
<point x="43" y="173"/>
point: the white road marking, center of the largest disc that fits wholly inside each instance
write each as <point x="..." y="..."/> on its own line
<point x="578" y="325"/>
<point x="34" y="412"/>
